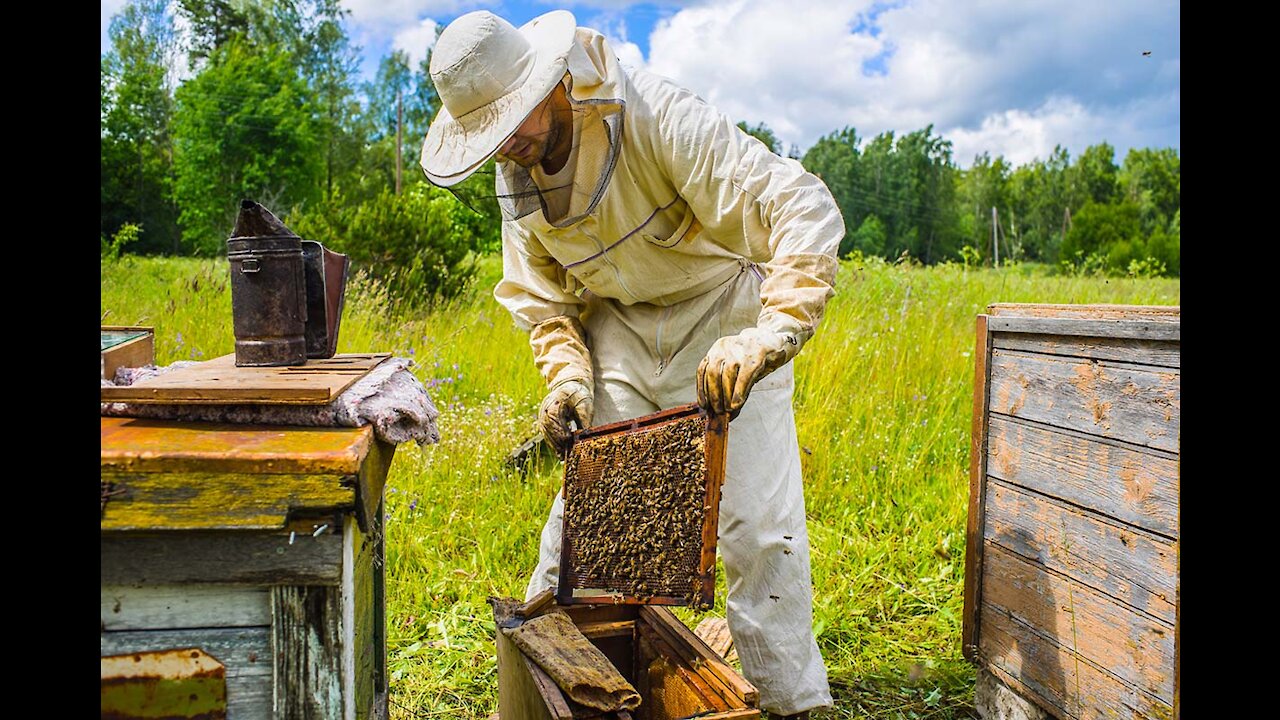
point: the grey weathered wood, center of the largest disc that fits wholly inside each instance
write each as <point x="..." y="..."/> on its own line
<point x="1134" y="485"/>
<point x="1163" y="353"/>
<point x="369" y="627"/>
<point x="246" y="653"/>
<point x="306" y="635"/>
<point x="1092" y="311"/>
<point x="1134" y="647"/>
<point x="1131" y="565"/>
<point x="977" y="490"/>
<point x="1062" y="682"/>
<point x="156" y="607"/>
<point x="250" y="558"/>
<point x="1115" y="400"/>
<point x="1143" y="329"/>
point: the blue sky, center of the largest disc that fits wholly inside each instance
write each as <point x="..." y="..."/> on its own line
<point x="1007" y="77"/>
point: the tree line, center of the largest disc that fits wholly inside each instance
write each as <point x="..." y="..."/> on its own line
<point x="263" y="100"/>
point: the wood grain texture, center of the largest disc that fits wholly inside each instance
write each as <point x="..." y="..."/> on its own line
<point x="140" y="445"/>
<point x="306" y="635"/>
<point x="220" y="501"/>
<point x="977" y="490"/>
<point x="1140" y="329"/>
<point x="1133" y="647"/>
<point x="716" y="444"/>
<point x="1161" y="353"/>
<point x="245" y="653"/>
<point x="219" y="381"/>
<point x="1123" y="402"/>
<point x="520" y="695"/>
<point x="1130" y="565"/>
<point x="1063" y="683"/>
<point x="137" y="352"/>
<point x="732" y="688"/>
<point x="165" y="607"/>
<point x="1100" y="311"/>
<point x="668" y="687"/>
<point x="220" y="557"/>
<point x="1133" y="485"/>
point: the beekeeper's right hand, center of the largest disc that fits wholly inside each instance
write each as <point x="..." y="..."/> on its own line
<point x="569" y="401"/>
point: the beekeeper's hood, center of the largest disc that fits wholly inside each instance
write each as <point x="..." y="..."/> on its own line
<point x="490" y="76"/>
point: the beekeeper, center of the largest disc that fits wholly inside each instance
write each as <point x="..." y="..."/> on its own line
<point x="656" y="254"/>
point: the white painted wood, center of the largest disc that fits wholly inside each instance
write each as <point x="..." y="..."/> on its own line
<point x="159" y="607"/>
<point x="348" y="617"/>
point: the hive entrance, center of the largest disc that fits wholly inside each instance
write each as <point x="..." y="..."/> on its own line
<point x="641" y="508"/>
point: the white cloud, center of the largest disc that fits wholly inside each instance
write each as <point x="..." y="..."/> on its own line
<point x="1024" y="75"/>
<point x="389" y="14"/>
<point x="416" y="41"/>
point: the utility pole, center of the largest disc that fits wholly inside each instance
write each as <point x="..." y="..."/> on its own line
<point x="995" y="246"/>
<point x="399" y="131"/>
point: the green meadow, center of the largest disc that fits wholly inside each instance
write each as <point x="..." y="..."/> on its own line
<point x="883" y="406"/>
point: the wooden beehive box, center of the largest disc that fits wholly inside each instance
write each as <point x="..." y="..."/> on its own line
<point x="1071" y="570"/>
<point x="675" y="673"/>
<point x="641" y="510"/>
<point x="244" y="565"/>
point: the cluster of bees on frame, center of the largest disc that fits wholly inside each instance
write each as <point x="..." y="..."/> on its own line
<point x="634" y="510"/>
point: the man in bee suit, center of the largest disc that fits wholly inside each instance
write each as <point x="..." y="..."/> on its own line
<point x="656" y="254"/>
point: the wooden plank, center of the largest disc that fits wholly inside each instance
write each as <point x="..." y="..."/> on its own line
<point x="520" y="696"/>
<point x="219" y="501"/>
<point x="735" y="689"/>
<point x="1062" y="682"/>
<point x="226" y="557"/>
<point x="1131" y="646"/>
<point x="1128" y="564"/>
<point x="1144" y="352"/>
<point x="371" y="483"/>
<point x="1166" y="313"/>
<point x="1133" y="485"/>
<point x="1143" y="329"/>
<point x="158" y="607"/>
<point x="1114" y="400"/>
<point x="245" y="653"/>
<point x="977" y="490"/>
<point x="307" y="637"/>
<point x="138" y="352"/>
<point x="621" y="628"/>
<point x="220" y="382"/>
<point x="717" y="445"/>
<point x="138" y="445"/>
<point x="368" y="637"/>
<point x="671" y="690"/>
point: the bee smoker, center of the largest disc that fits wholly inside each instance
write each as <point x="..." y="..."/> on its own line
<point x="286" y="293"/>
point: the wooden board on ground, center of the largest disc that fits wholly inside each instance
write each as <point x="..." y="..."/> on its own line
<point x="220" y="382"/>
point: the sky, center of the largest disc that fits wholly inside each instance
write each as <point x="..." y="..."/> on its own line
<point x="1004" y="77"/>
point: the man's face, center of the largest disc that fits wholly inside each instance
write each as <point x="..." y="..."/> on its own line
<point x="533" y="140"/>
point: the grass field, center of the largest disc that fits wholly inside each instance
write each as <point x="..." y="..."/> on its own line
<point x="883" y="402"/>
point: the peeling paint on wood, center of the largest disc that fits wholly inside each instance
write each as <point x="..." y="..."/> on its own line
<point x="139" y="445"/>
<point x="217" y="501"/>
<point x="125" y="607"/>
<point x="1119" y="401"/>
<point x="1162" y="353"/>
<point x="1134" y="485"/>
<point x="1064" y="683"/>
<point x="245" y="654"/>
<point x="220" y="557"/>
<point x="1130" y="565"/>
<point x="174" y="684"/>
<point x="1134" y="647"/>
<point x="306" y="638"/>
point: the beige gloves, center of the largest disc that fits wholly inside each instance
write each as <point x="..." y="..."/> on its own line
<point x="794" y="296"/>
<point x="560" y="352"/>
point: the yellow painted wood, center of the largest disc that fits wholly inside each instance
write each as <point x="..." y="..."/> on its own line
<point x="215" y="501"/>
<point x="139" y="445"/>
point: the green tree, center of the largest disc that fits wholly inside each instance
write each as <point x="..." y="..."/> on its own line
<point x="762" y="133"/>
<point x="1097" y="227"/>
<point x="1152" y="178"/>
<point x="136" y="110"/>
<point x="985" y="185"/>
<point x="246" y="126"/>
<point x="869" y="238"/>
<point x="834" y="158"/>
<point x="1096" y="173"/>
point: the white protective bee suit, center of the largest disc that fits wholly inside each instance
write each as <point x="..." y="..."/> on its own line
<point x="682" y="230"/>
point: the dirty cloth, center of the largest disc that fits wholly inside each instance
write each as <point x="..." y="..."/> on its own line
<point x="701" y="233"/>
<point x="577" y="667"/>
<point x="389" y="397"/>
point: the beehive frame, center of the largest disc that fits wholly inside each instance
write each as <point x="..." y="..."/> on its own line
<point x="573" y="589"/>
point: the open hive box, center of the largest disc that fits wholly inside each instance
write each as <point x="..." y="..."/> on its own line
<point x="641" y="509"/>
<point x="675" y="673"/>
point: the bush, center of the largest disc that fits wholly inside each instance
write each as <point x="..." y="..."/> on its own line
<point x="422" y="244"/>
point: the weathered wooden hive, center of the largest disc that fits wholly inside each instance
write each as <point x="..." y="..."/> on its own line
<point x="242" y="571"/>
<point x="1071" y="575"/>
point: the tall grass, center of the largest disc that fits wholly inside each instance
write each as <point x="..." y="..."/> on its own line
<point x="883" y="402"/>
